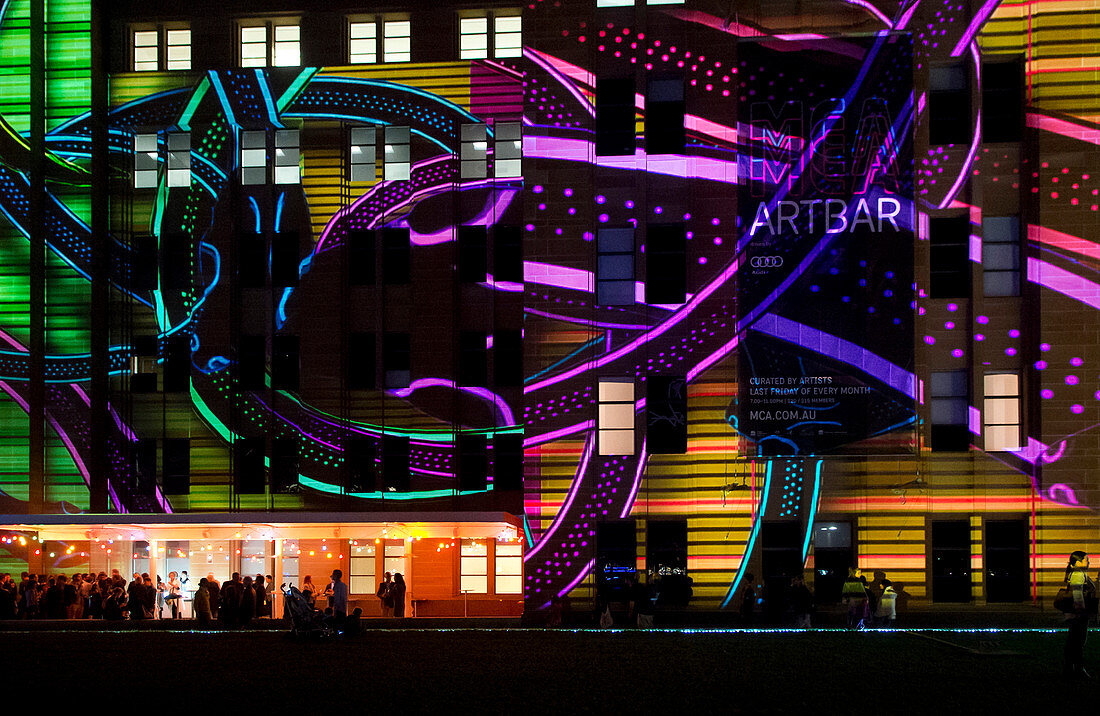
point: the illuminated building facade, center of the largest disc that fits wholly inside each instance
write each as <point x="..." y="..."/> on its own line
<point x="520" y="299"/>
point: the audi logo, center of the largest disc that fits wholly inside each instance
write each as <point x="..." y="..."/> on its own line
<point x="766" y="261"/>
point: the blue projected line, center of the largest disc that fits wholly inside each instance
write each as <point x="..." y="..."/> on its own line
<point x="216" y="81"/>
<point x="256" y="211"/>
<point x="403" y="89"/>
<point x="279" y="210"/>
<point x="583" y="348"/>
<point x="752" y="537"/>
<point x="269" y="102"/>
<point x="813" y="422"/>
<point x="360" y="118"/>
<point x="813" y="510"/>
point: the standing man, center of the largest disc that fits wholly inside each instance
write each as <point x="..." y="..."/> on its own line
<point x="385" y="596"/>
<point x="339" y="595"/>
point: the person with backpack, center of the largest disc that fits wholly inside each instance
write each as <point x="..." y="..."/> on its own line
<point x="1082" y="590"/>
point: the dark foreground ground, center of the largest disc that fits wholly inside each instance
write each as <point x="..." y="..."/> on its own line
<point x="553" y="672"/>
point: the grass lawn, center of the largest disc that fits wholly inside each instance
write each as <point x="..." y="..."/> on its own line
<point x="530" y="671"/>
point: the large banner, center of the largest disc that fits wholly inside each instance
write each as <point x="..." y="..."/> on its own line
<point x="825" y="286"/>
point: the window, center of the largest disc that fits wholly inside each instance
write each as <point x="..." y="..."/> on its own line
<point x="666" y="549"/>
<point x="145" y="466"/>
<point x="473" y="38"/>
<point x="507" y="150"/>
<point x="179" y="49"/>
<point x="248" y="465"/>
<point x="664" y="116"/>
<point x="254" y="46"/>
<point x="396" y="360"/>
<point x="1001" y="412"/>
<point x="666" y="264"/>
<point x="175" y="261"/>
<point x="146" y="51"/>
<point x="396" y="41"/>
<point x="145" y="161"/>
<point x="143" y="267"/>
<point x="177" y="466"/>
<point x="250" y="363"/>
<point x="177" y="363"/>
<point x="833" y="557"/>
<point x="509" y="568"/>
<point x="473" y="461"/>
<point x="1001" y="256"/>
<point x="616" y="416"/>
<point x="287" y="154"/>
<point x="360" y="370"/>
<point x="615" y="267"/>
<point x="1007" y="551"/>
<point x="395" y="165"/>
<point x="1002" y="101"/>
<point x="284" y="464"/>
<point x="508" y="462"/>
<point x="143" y="365"/>
<point x="949" y="105"/>
<point x="288" y="52"/>
<point x="474" y="148"/>
<point x="361" y="269"/>
<point x="508" y="254"/>
<point x="472" y="258"/>
<point x="507" y="357"/>
<point x="474" y="570"/>
<point x="950" y="430"/>
<point x="507" y="36"/>
<point x="393" y="558"/>
<point x="284" y="362"/>
<point x="396" y="256"/>
<point x="615" y="116"/>
<point x="285" y="259"/>
<point x="666" y="415"/>
<point x="361" y="572"/>
<point x="362" y="465"/>
<point x="179" y="159"/>
<point x="362" y="164"/>
<point x="951" y="550"/>
<point x="472" y="354"/>
<point x="363" y="42"/>
<point x="949" y="255"/>
<point x="253" y="157"/>
<point x="251" y="260"/>
<point x="291" y="550"/>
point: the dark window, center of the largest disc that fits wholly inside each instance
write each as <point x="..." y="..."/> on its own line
<point x="361" y="258"/>
<point x="508" y="462"/>
<point x="251" y="260"/>
<point x="615" y="267"/>
<point x="666" y="263"/>
<point x="471" y="358"/>
<point x="143" y="263"/>
<point x="1001" y="255"/>
<point x="1007" y="557"/>
<point x="949" y="105"/>
<point x="616" y="559"/>
<point x="177" y="363"/>
<point x="285" y="259"/>
<point x="145" y="466"/>
<point x="175" y="261"/>
<point x="177" y="466"/>
<point x="395" y="463"/>
<point x="951" y="561"/>
<point x="362" y="465"/>
<point x="250" y="363"/>
<point x="615" y="116"/>
<point x="396" y="360"/>
<point x="284" y="464"/>
<point x="666" y="415"/>
<point x="950" y="257"/>
<point x="396" y="256"/>
<point x="780" y="560"/>
<point x="473" y="462"/>
<point x="143" y="365"/>
<point x="664" y="116"/>
<point x="833" y="557"/>
<point x="508" y="254"/>
<point x="472" y="261"/>
<point x="361" y="361"/>
<point x="666" y="544"/>
<point x="284" y="362"/>
<point x="508" y="358"/>
<point x="248" y="467"/>
<point x="1002" y="101"/>
<point x="950" y="408"/>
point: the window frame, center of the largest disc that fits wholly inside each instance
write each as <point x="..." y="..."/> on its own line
<point x="473" y="566"/>
<point x="615" y="417"/>
<point x="271" y="42"/>
<point x="997" y="404"/>
<point x="162" y="34"/>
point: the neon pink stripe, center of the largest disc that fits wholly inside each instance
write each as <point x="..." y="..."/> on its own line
<point x="1064" y="128"/>
<point x="637" y="483"/>
<point x="1075" y="244"/>
<point x="976" y="23"/>
<point x="578" y="579"/>
<point x="573" y="490"/>
<point x="1064" y="282"/>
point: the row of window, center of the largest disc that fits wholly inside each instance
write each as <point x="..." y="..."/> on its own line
<point x="951" y="415"/>
<point x="255" y="155"/>
<point x="950" y="256"/>
<point x="369" y="468"/>
<point x="473" y="566"/>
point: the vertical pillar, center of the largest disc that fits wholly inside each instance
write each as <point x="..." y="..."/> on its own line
<point x="277" y="594"/>
<point x="36" y="398"/>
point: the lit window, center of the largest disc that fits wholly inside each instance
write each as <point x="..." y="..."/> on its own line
<point x="287" y="168"/>
<point x="508" y="36"/>
<point x="616" y="416"/>
<point x="509" y="568"/>
<point x="474" y="570"/>
<point x="394" y="558"/>
<point x="253" y="157"/>
<point x="474" y="151"/>
<point x="254" y="46"/>
<point x="473" y="38"/>
<point x="179" y="49"/>
<point x="396" y="164"/>
<point x="288" y="52"/>
<point x="1001" y="413"/>
<point x="146" y="51"/>
<point x="396" y="41"/>
<point x="615" y="267"/>
<point x="507" y="150"/>
<point x="363" y="42"/>
<point x="179" y="159"/>
<point x="362" y="162"/>
<point x="362" y="570"/>
<point x="145" y="161"/>
<point x="614" y="3"/>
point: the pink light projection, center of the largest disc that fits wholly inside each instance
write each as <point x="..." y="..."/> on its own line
<point x="1064" y="282"/>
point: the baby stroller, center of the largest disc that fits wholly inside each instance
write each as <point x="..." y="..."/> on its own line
<point x="304" y="619"/>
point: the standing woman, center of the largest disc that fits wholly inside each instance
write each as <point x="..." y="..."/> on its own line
<point x="175" y="594"/>
<point x="1083" y="592"/>
<point x="398" y="592"/>
<point x="309" y="591"/>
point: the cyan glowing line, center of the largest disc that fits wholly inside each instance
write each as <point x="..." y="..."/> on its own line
<point x="752" y="537"/>
<point x="255" y="212"/>
<point x="813" y="510"/>
<point x="566" y="359"/>
<point x="215" y="168"/>
<point x="193" y="104"/>
<point x="295" y="87"/>
<point x="589" y="446"/>
<point x="217" y="82"/>
<point x="269" y="103"/>
<point x="378" y="495"/>
<point x="358" y="118"/>
<point x="527" y="531"/>
<point x="279" y="210"/>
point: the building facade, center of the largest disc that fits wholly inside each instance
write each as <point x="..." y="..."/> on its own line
<point x="519" y="300"/>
